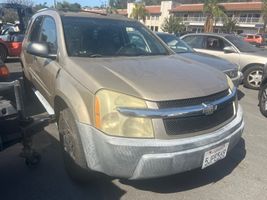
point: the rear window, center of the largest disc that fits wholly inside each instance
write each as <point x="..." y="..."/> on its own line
<point x="93" y="37"/>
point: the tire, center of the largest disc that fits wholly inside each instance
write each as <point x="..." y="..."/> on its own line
<point x="263" y="100"/>
<point x="71" y="146"/>
<point x="252" y="77"/>
<point x="3" y="52"/>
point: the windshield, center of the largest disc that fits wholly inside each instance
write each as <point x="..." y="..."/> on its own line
<point x="176" y="44"/>
<point x="90" y="37"/>
<point x="241" y="44"/>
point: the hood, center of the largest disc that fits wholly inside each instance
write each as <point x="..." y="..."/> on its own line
<point x="154" y="78"/>
<point x="213" y="61"/>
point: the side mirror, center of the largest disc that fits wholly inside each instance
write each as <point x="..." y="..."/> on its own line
<point x="229" y="49"/>
<point x="41" y="50"/>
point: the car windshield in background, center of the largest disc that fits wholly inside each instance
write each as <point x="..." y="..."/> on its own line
<point x="176" y="44"/>
<point x="241" y="45"/>
<point x="88" y="37"/>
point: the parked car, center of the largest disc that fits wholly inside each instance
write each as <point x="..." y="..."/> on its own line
<point x="10" y="40"/>
<point x="123" y="110"/>
<point x="263" y="93"/>
<point x="230" y="47"/>
<point x="254" y="39"/>
<point x="180" y="47"/>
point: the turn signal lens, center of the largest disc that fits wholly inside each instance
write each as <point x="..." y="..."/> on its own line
<point x="4" y="72"/>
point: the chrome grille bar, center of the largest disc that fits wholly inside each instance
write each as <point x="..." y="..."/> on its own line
<point x="206" y="108"/>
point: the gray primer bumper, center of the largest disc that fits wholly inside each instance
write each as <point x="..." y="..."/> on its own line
<point x="148" y="158"/>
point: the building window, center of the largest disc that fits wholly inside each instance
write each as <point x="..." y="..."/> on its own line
<point x="157" y="17"/>
<point x="156" y="28"/>
<point x="152" y="28"/>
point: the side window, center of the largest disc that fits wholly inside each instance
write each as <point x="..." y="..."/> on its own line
<point x="195" y="41"/>
<point x="216" y="43"/>
<point x="35" y="29"/>
<point x="49" y="34"/>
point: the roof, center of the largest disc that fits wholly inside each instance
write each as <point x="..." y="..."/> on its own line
<point x="89" y="14"/>
<point x="208" y="34"/>
<point x="236" y="6"/>
<point x="153" y="9"/>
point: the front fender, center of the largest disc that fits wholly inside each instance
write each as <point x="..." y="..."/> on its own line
<point x="76" y="97"/>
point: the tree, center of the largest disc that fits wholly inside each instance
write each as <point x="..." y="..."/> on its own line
<point x="22" y="2"/>
<point x="264" y="14"/>
<point x="119" y="4"/>
<point x="173" y="25"/>
<point x="139" y="12"/>
<point x="229" y="24"/>
<point x="213" y="10"/>
<point x="66" y="6"/>
<point x="39" y="6"/>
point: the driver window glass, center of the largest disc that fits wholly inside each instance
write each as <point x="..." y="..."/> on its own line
<point x="195" y="41"/>
<point x="49" y="34"/>
<point x="216" y="44"/>
<point x="35" y="30"/>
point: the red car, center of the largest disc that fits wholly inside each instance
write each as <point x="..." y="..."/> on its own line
<point x="254" y="39"/>
<point x="10" y="47"/>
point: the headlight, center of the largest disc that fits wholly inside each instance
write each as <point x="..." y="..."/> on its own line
<point x="230" y="83"/>
<point x="111" y="122"/>
<point x="232" y="86"/>
<point x="232" y="73"/>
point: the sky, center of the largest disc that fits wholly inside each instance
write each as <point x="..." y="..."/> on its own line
<point x="82" y="2"/>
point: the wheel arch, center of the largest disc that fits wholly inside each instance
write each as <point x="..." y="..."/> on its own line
<point x="251" y="65"/>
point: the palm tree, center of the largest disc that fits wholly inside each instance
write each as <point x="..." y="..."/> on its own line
<point x="213" y="10"/>
<point x="139" y="12"/>
<point x="229" y="24"/>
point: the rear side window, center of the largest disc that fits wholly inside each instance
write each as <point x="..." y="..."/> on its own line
<point x="195" y="41"/>
<point x="35" y="29"/>
<point x="49" y="34"/>
<point x="250" y="36"/>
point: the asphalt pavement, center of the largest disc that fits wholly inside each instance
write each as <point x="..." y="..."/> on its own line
<point x="242" y="175"/>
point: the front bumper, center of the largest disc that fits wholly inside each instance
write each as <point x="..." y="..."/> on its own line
<point x="148" y="158"/>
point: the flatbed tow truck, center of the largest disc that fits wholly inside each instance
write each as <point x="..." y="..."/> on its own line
<point x="15" y="125"/>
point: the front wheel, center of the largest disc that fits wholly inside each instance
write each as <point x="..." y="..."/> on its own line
<point x="252" y="77"/>
<point x="263" y="100"/>
<point x="73" y="155"/>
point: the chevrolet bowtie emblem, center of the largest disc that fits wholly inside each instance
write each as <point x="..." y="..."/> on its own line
<point x="209" y="109"/>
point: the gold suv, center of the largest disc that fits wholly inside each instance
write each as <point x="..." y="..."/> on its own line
<point x="126" y="105"/>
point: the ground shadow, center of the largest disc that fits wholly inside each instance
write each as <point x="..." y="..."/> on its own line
<point x="195" y="178"/>
<point x="12" y="60"/>
<point x="49" y="179"/>
<point x="240" y="94"/>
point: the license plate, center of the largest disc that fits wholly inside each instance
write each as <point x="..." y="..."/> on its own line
<point x="214" y="155"/>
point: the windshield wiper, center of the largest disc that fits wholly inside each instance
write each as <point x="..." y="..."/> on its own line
<point x="95" y="55"/>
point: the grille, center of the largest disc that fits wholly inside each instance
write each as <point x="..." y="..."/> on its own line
<point x="192" y="101"/>
<point x="178" y="126"/>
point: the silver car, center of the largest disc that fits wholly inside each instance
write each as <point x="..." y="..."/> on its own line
<point x="183" y="49"/>
<point x="230" y="47"/>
